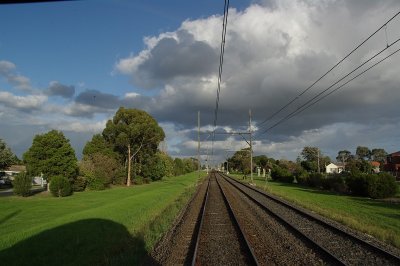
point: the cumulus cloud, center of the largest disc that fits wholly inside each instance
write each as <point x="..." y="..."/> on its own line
<point x="24" y="103"/>
<point x="274" y="50"/>
<point x="7" y="71"/>
<point x="57" y="89"/>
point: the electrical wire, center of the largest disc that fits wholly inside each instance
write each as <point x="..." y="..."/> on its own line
<point x="308" y="104"/>
<point x="221" y="62"/>
<point x="320" y="78"/>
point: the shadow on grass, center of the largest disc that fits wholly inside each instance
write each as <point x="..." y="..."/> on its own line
<point x="8" y="217"/>
<point x="84" y="242"/>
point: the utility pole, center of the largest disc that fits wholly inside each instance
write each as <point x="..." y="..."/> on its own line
<point x="251" y="148"/>
<point x="198" y="142"/>
<point x="319" y="171"/>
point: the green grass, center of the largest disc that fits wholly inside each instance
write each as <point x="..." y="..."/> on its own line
<point x="378" y="218"/>
<point x="110" y="227"/>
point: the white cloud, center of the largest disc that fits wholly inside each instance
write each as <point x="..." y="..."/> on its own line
<point x="22" y="102"/>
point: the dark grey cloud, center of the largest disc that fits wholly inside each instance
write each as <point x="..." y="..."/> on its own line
<point x="172" y="58"/>
<point x="58" y="89"/>
<point x="98" y="99"/>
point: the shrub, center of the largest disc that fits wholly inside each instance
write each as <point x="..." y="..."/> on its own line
<point x="79" y="184"/>
<point x="22" y="184"/>
<point x="357" y="184"/>
<point x="94" y="183"/>
<point x="302" y="177"/>
<point x="60" y="186"/>
<point x="282" y="174"/>
<point x="316" y="180"/>
<point x="138" y="180"/>
<point x="334" y="182"/>
<point x="381" y="186"/>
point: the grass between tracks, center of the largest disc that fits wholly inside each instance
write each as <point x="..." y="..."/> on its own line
<point x="111" y="227"/>
<point x="378" y="218"/>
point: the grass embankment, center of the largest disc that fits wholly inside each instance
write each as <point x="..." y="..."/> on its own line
<point x="111" y="227"/>
<point x="378" y="218"/>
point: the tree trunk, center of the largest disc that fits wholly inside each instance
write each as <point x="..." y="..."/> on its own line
<point x="128" y="182"/>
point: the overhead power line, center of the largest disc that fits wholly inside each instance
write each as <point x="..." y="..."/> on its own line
<point x="221" y="62"/>
<point x="320" y="78"/>
<point x="313" y="101"/>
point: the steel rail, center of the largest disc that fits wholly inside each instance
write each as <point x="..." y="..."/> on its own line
<point x="252" y="258"/>
<point x="377" y="250"/>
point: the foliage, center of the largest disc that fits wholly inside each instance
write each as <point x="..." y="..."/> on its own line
<point x="52" y="155"/>
<point x="99" y="170"/>
<point x="343" y="156"/>
<point x="179" y="167"/>
<point x="302" y="177"/>
<point x="155" y="168"/>
<point x="133" y="133"/>
<point x="311" y="156"/>
<point x="363" y="152"/>
<point x="240" y="161"/>
<point x="376" y="186"/>
<point x="99" y="145"/>
<point x="22" y="184"/>
<point x="282" y="174"/>
<point x="79" y="184"/>
<point x="378" y="155"/>
<point x="334" y="182"/>
<point x="7" y="158"/>
<point x="381" y="186"/>
<point x="60" y="186"/>
<point x="316" y="180"/>
<point x="168" y="163"/>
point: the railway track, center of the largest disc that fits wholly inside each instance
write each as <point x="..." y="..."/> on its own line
<point x="336" y="245"/>
<point x="220" y="239"/>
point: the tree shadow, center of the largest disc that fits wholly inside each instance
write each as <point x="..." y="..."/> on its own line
<point x="9" y="216"/>
<point x="84" y="242"/>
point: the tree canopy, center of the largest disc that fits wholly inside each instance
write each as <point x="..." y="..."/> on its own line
<point x="133" y="133"/>
<point x="52" y="155"/>
<point x="6" y="156"/>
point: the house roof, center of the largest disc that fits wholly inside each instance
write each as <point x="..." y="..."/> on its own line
<point x="375" y="164"/>
<point x="395" y="154"/>
<point x="16" y="168"/>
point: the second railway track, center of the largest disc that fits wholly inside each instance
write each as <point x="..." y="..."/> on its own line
<point x="338" y="246"/>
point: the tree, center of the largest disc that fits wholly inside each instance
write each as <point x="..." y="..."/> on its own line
<point x="378" y="155"/>
<point x="343" y="156"/>
<point x="99" y="170"/>
<point x="363" y="153"/>
<point x="99" y="145"/>
<point x="312" y="158"/>
<point x="6" y="156"/>
<point x="132" y="131"/>
<point x="240" y="161"/>
<point x="22" y="184"/>
<point x="179" y="167"/>
<point x="51" y="155"/>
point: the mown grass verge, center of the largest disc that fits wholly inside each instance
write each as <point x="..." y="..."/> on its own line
<point x="378" y="218"/>
<point x="112" y="227"/>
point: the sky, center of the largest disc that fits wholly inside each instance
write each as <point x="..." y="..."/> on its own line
<point x="70" y="65"/>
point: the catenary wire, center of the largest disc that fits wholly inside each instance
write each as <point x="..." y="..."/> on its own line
<point x="320" y="78"/>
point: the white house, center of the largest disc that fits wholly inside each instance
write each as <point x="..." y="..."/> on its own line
<point x="334" y="169"/>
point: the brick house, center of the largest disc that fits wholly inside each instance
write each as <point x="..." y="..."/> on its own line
<point x="392" y="164"/>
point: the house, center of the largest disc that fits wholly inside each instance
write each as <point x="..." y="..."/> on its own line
<point x="392" y="164"/>
<point x="13" y="170"/>
<point x="334" y="168"/>
<point x="375" y="166"/>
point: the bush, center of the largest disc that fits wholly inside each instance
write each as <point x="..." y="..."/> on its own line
<point x="316" y="180"/>
<point x="302" y="177"/>
<point x="138" y="180"/>
<point x="79" y="184"/>
<point x="60" y="186"/>
<point x="334" y="182"/>
<point x="376" y="186"/>
<point x="282" y="174"/>
<point x="357" y="184"/>
<point x="22" y="184"/>
<point x="381" y="186"/>
<point x="94" y="183"/>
